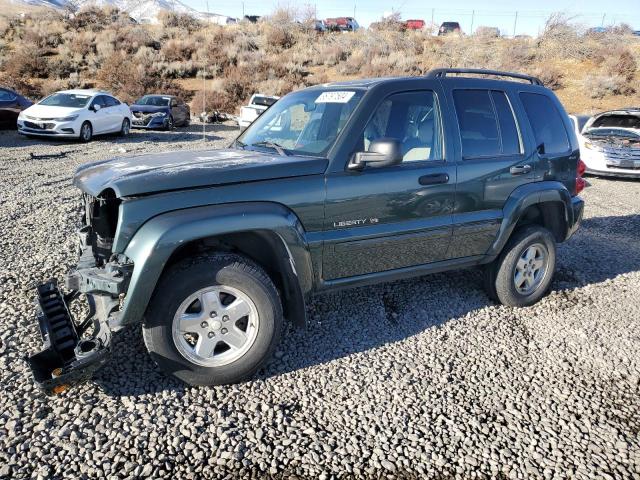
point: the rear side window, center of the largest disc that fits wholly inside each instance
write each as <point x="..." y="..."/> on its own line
<point x="487" y="125"/>
<point x="110" y="101"/>
<point x="509" y="134"/>
<point x="546" y="122"/>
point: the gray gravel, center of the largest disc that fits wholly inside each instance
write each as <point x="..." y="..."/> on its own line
<point x="415" y="379"/>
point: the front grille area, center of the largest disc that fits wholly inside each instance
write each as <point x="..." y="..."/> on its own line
<point x="39" y="126"/>
<point x="142" y="119"/>
<point x="628" y="158"/>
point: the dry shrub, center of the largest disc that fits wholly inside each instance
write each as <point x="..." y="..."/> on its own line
<point x="27" y="62"/>
<point x="623" y="64"/>
<point x="178" y="50"/>
<point x="179" y="20"/>
<point x="550" y="76"/>
<point x="602" y="85"/>
<point x="129" y="79"/>
<point x="280" y="37"/>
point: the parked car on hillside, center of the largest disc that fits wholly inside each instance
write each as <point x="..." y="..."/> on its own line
<point x="342" y="24"/>
<point x="449" y="27"/>
<point x="160" y="112"/>
<point x="11" y="104"/>
<point x="610" y="143"/>
<point x="77" y="114"/>
<point x="415" y="24"/>
<point x="258" y="104"/>
<point x="337" y="185"/>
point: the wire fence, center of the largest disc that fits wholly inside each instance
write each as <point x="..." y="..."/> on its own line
<point x="509" y="22"/>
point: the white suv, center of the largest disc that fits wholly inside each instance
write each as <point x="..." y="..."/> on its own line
<point x="77" y="114"/>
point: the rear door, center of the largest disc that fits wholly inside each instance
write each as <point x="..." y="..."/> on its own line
<point x="384" y="219"/>
<point x="114" y="114"/>
<point x="491" y="164"/>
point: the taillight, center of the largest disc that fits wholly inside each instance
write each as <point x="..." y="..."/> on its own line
<point x="580" y="182"/>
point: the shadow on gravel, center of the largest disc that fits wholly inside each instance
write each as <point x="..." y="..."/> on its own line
<point x="350" y="322"/>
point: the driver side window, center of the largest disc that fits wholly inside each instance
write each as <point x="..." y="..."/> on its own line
<point x="411" y="118"/>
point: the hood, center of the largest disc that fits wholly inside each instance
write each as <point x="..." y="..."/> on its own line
<point x="148" y="108"/>
<point x="47" y="111"/>
<point x="144" y="174"/>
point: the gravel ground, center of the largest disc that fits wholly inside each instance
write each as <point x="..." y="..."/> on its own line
<point x="414" y="379"/>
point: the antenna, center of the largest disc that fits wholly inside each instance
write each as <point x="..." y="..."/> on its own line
<point x="204" y="84"/>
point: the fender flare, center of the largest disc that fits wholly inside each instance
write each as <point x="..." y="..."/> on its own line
<point x="522" y="198"/>
<point x="154" y="243"/>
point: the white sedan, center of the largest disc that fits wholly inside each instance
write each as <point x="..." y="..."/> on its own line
<point x="610" y="142"/>
<point x="77" y="114"/>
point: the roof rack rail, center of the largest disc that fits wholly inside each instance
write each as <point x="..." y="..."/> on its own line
<point x="442" y="72"/>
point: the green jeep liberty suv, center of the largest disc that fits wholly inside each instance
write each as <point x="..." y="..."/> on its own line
<point x="334" y="186"/>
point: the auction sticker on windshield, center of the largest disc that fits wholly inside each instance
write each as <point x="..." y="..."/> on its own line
<point x="335" y="97"/>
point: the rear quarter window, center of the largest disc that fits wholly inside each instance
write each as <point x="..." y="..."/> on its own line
<point x="546" y="122"/>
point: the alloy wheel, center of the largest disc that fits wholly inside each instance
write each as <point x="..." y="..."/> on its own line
<point x="215" y="326"/>
<point x="531" y="269"/>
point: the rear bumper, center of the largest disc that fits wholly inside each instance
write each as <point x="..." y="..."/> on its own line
<point x="577" y="211"/>
<point x="67" y="357"/>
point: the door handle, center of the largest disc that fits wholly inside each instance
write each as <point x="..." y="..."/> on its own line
<point x="434" y="179"/>
<point x="520" y="169"/>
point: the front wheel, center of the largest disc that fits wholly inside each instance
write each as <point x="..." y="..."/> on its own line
<point x="86" y="132"/>
<point x="125" y="128"/>
<point x="523" y="272"/>
<point x="213" y="320"/>
<point x="169" y="123"/>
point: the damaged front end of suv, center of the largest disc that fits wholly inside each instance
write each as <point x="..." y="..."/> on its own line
<point x="74" y="350"/>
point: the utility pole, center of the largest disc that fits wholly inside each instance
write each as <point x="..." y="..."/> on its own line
<point x="242" y="9"/>
<point x="433" y="11"/>
<point x="473" y="14"/>
<point x="603" y="17"/>
<point x="354" y="10"/>
<point x="515" y="23"/>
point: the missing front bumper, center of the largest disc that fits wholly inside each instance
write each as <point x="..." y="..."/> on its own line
<point x="67" y="358"/>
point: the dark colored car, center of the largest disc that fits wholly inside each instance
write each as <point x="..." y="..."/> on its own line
<point x="160" y="112"/>
<point x="11" y="104"/>
<point x="449" y="27"/>
<point x="337" y="185"/>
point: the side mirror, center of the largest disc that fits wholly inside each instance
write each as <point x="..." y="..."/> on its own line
<point x="383" y="152"/>
<point x="540" y="149"/>
<point x="96" y="107"/>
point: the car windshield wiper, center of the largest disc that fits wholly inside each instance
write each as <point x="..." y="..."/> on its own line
<point x="278" y="148"/>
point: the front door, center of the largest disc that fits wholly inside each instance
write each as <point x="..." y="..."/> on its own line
<point x="389" y="218"/>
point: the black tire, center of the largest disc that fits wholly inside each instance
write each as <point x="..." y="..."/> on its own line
<point x="169" y="125"/>
<point x="125" y="128"/>
<point x="86" y="136"/>
<point x="192" y="275"/>
<point x="499" y="276"/>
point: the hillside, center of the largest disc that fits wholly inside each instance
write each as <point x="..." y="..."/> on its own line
<point x="40" y="53"/>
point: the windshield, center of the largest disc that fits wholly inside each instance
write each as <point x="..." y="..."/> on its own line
<point x="72" y="100"/>
<point x="617" y="120"/>
<point x="154" y="101"/>
<point x="303" y="123"/>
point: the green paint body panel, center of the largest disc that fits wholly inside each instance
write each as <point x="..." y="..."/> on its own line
<point x="337" y="227"/>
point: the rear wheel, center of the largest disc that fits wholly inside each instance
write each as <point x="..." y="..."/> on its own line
<point x="523" y="272"/>
<point x="213" y="320"/>
<point x="86" y="132"/>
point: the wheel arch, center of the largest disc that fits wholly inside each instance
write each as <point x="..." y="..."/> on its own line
<point x="273" y="230"/>
<point x="546" y="203"/>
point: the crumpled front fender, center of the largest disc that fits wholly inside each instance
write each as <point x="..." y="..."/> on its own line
<point x="154" y="243"/>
